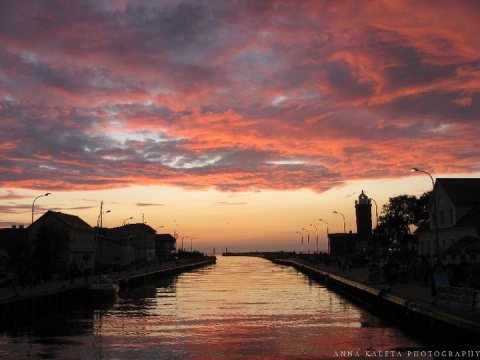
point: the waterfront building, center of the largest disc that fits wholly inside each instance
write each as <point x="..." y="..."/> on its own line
<point x="457" y="216"/>
<point x="113" y="253"/>
<point x="12" y="240"/>
<point x="76" y="237"/>
<point x="164" y="246"/>
<point x="342" y="244"/>
<point x="141" y="236"/>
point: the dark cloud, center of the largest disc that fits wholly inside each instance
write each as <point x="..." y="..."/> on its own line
<point x="234" y="95"/>
<point x="148" y="204"/>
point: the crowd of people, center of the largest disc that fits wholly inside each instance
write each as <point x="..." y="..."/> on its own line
<point x="395" y="268"/>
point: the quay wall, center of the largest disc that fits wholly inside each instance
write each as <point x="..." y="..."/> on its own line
<point x="131" y="281"/>
<point x="58" y="298"/>
<point x="25" y="309"/>
<point x="443" y="329"/>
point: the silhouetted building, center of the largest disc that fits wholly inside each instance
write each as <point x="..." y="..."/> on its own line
<point x="458" y="214"/>
<point x="77" y="236"/>
<point x="165" y="246"/>
<point x="141" y="236"/>
<point x="13" y="241"/>
<point x="113" y="253"/>
<point x="342" y="244"/>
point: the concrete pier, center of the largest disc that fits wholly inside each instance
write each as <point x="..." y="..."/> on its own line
<point x="413" y="310"/>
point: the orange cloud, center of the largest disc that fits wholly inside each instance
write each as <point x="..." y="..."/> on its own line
<point x="286" y="95"/>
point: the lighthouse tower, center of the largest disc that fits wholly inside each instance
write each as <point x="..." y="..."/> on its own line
<point x="363" y="211"/>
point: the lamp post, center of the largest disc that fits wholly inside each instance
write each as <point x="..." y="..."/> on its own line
<point x="175" y="225"/>
<point x="33" y="204"/>
<point x="301" y="234"/>
<point x="376" y="211"/>
<point x="434" y="208"/>
<point x="328" y="239"/>
<point x="316" y="234"/>
<point x="308" y="239"/>
<point x="100" y="216"/>
<point x="158" y="228"/>
<point x="125" y="221"/>
<point x="184" y="237"/>
<point x="191" y="243"/>
<point x="98" y="235"/>
<point x="336" y="212"/>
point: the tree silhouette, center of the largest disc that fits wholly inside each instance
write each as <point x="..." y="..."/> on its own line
<point x="400" y="216"/>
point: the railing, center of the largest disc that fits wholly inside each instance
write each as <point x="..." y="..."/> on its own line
<point x="459" y="300"/>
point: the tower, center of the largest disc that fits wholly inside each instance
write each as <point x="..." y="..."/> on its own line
<point x="363" y="212"/>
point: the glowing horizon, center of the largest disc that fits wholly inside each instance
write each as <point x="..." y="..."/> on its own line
<point x="272" y="114"/>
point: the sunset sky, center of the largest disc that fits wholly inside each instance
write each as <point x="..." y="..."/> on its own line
<point x="236" y="123"/>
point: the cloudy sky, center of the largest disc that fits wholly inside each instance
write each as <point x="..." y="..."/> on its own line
<point x="228" y="119"/>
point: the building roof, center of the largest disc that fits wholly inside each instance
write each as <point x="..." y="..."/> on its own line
<point x="471" y="218"/>
<point x="72" y="221"/>
<point x="463" y="245"/>
<point x="128" y="229"/>
<point x="166" y="237"/>
<point x="424" y="225"/>
<point x="461" y="190"/>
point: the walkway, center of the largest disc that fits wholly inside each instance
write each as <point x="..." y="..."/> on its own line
<point x="53" y="286"/>
<point x="412" y="292"/>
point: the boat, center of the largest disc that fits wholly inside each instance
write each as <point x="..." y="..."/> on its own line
<point x="104" y="289"/>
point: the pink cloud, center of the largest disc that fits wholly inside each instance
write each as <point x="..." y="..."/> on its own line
<point x="236" y="96"/>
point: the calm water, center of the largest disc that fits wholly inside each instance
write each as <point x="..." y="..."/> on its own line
<point x="240" y="308"/>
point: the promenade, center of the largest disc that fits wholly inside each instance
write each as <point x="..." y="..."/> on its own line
<point x="48" y="287"/>
<point x="412" y="292"/>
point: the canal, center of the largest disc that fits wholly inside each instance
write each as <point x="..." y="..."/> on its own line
<point x="238" y="308"/>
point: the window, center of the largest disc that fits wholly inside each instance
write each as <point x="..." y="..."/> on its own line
<point x="442" y="217"/>
<point x="450" y="216"/>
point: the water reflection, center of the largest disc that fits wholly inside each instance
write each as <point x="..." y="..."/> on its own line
<point x="240" y="308"/>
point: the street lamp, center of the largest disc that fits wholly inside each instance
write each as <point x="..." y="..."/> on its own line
<point x="376" y="211"/>
<point x="336" y="212"/>
<point x="301" y="234"/>
<point x="158" y="228"/>
<point x="100" y="218"/>
<point x="33" y="204"/>
<point x="434" y="207"/>
<point x="316" y="233"/>
<point x="328" y="239"/>
<point x="124" y="221"/>
<point x="184" y="237"/>
<point x="308" y="239"/>
<point x="325" y="221"/>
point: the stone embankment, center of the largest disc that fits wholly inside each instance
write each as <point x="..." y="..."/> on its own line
<point x="24" y="305"/>
<point x="407" y="305"/>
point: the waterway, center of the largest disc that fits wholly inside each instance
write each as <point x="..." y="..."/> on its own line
<point x="239" y="308"/>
